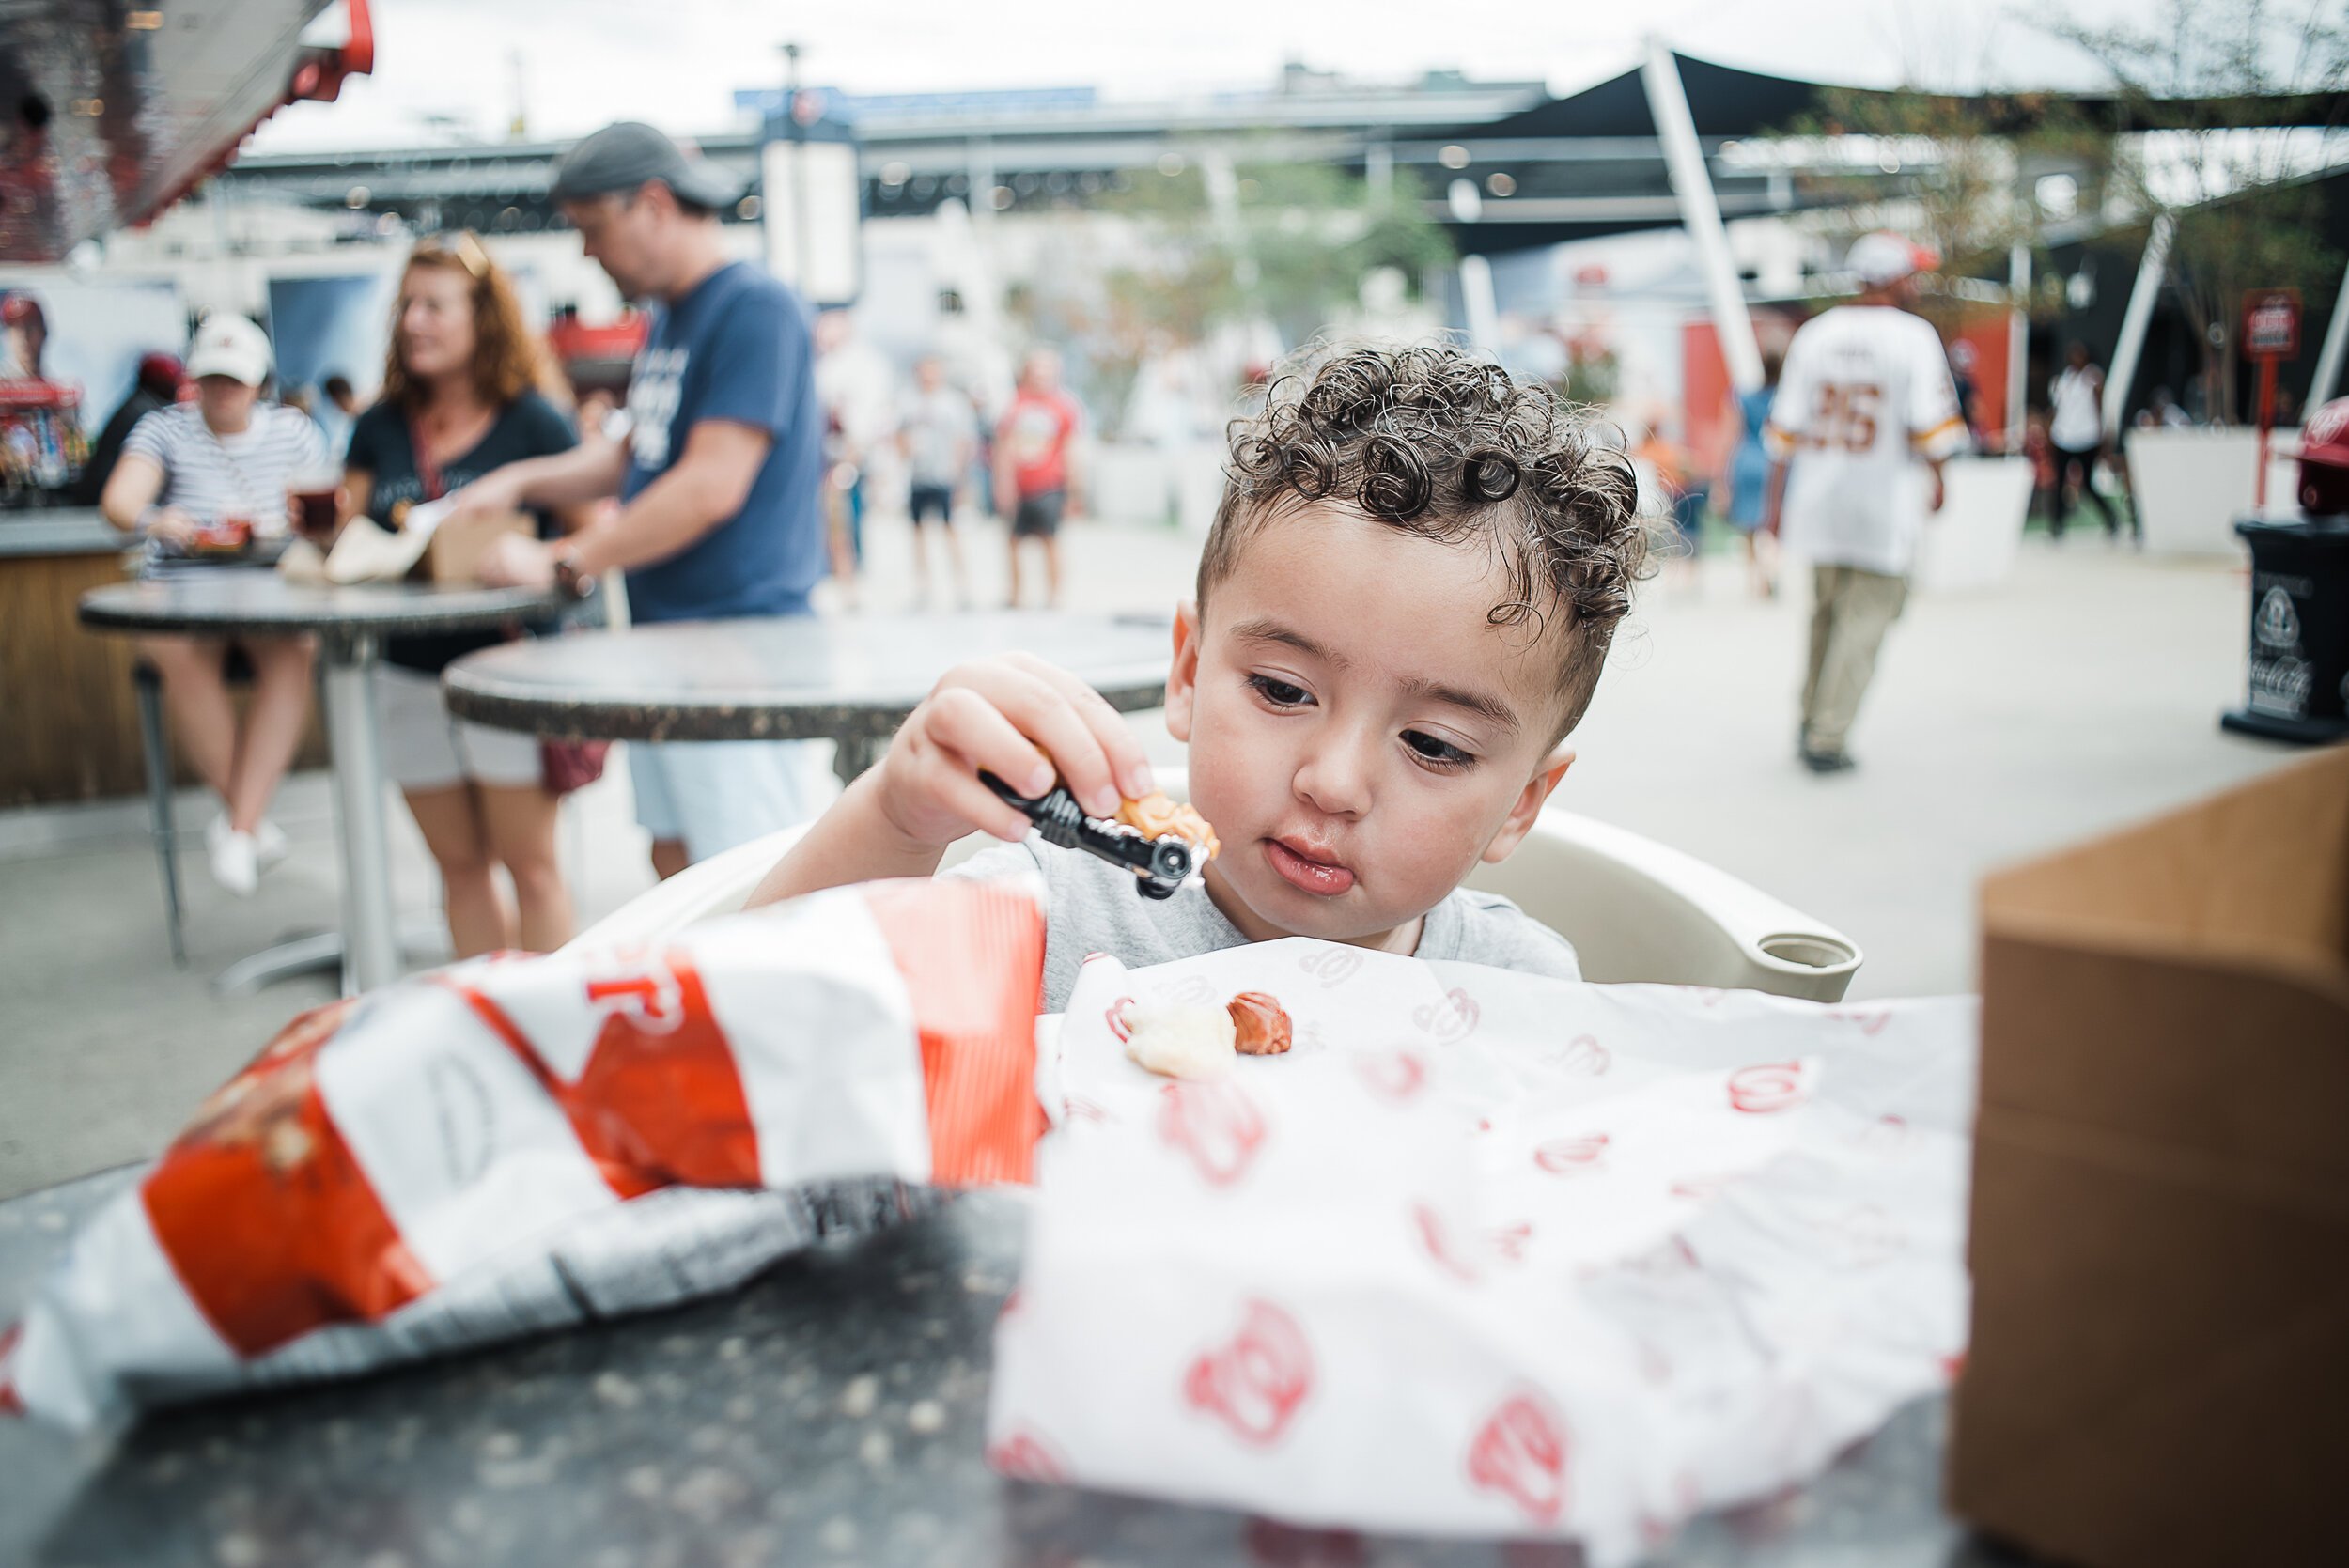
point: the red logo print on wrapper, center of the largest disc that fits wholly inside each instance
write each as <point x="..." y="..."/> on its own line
<point x="1255" y="1382"/>
<point x="1571" y="1157"/>
<point x="1450" y="1021"/>
<point x="1767" y="1088"/>
<point x="1436" y="1235"/>
<point x="1521" y="1451"/>
<point x="1395" y="1076"/>
<point x="1331" y="965"/>
<point x="1582" y="1057"/>
<point x="1213" y="1121"/>
<point x="1024" y="1456"/>
<point x="658" y="1100"/>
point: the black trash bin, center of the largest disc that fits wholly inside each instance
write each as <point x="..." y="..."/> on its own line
<point x="2299" y="666"/>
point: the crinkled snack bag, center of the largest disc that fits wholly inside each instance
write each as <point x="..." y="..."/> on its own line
<point x="514" y="1143"/>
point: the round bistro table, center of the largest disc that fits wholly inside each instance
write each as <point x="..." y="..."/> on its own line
<point x="850" y="679"/>
<point x="351" y="625"/>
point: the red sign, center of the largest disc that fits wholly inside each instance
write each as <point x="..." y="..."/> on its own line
<point x="2271" y="323"/>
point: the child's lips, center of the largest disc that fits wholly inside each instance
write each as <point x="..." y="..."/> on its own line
<point x="1302" y="869"/>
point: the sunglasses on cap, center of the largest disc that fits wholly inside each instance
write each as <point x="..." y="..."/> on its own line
<point x="459" y="247"/>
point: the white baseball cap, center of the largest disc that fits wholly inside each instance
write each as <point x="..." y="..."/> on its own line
<point x="1884" y="257"/>
<point x="227" y="344"/>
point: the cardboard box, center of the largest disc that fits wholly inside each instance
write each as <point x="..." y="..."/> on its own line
<point x="2159" y="1368"/>
<point x="454" y="556"/>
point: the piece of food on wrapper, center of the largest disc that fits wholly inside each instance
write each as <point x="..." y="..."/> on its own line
<point x="1260" y="1024"/>
<point x="515" y="1143"/>
<point x="1193" y="1040"/>
<point x="1179" y="1039"/>
<point x="1156" y="813"/>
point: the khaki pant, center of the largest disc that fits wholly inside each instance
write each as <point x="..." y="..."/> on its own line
<point x="1850" y="611"/>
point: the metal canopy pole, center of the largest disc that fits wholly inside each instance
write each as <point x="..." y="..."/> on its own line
<point x="2133" y="322"/>
<point x="1700" y="213"/>
<point x="2328" y="375"/>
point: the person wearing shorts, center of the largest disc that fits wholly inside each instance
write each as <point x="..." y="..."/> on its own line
<point x="938" y="435"/>
<point x="718" y="479"/>
<point x="1035" y="478"/>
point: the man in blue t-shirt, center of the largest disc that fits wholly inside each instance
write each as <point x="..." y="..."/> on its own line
<point x="717" y="477"/>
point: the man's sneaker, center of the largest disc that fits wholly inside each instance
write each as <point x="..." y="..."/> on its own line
<point x="235" y="858"/>
<point x="269" y="844"/>
<point x="1828" y="762"/>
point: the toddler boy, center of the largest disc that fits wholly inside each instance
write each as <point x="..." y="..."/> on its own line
<point x="1402" y="610"/>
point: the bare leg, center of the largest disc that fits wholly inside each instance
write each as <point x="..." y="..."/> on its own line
<point x="273" y="726"/>
<point x="1051" y="571"/>
<point x="478" y="919"/>
<point x="921" y="563"/>
<point x="1013" y="601"/>
<point x="669" y="857"/>
<point x="202" y="720"/>
<point x="521" y="821"/>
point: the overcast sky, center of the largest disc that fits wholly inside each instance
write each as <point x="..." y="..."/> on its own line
<point x="678" y="62"/>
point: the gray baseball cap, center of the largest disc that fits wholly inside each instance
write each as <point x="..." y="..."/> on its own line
<point x="624" y="156"/>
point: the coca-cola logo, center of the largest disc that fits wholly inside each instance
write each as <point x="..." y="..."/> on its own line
<point x="1767" y="1088"/>
<point x="1117" y="1017"/>
<point x="1397" y="1075"/>
<point x="1332" y="966"/>
<point x="1023" y="1455"/>
<point x="1078" y="1108"/>
<point x="1214" y="1122"/>
<point x="1520" y="1452"/>
<point x="1253" y="1382"/>
<point x="1871" y="1020"/>
<point x="1571" y="1157"/>
<point x="1582" y="1057"/>
<point x="1451" y="1018"/>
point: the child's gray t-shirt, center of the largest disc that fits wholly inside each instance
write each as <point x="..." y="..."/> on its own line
<point x="1093" y="908"/>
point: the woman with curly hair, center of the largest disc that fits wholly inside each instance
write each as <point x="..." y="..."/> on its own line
<point x="460" y="397"/>
<point x="1402" y="610"/>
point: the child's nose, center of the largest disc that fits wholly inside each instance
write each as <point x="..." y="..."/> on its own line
<point x="1335" y="780"/>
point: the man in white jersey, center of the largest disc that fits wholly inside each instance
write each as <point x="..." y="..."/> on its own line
<point x="1865" y="415"/>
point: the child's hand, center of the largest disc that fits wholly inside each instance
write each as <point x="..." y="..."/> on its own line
<point x="1023" y="720"/>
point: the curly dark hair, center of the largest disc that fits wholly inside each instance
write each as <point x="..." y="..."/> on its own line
<point x="1435" y="442"/>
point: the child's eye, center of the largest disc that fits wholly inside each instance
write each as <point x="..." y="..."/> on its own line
<point x="1435" y="752"/>
<point x="1279" y="693"/>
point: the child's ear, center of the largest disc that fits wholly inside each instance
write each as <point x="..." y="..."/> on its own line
<point x="1182" y="682"/>
<point x="1528" y="805"/>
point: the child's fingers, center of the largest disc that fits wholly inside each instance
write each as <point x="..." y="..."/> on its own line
<point x="1039" y="710"/>
<point x="952" y="782"/>
<point x="1128" y="766"/>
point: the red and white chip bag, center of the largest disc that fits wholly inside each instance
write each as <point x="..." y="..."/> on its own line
<point x="516" y="1143"/>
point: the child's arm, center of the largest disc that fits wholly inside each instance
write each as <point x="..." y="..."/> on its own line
<point x="1016" y="715"/>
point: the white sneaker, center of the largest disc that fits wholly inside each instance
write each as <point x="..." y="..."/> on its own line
<point x="235" y="858"/>
<point x="269" y="844"/>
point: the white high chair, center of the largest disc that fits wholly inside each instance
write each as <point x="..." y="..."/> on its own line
<point x="1633" y="908"/>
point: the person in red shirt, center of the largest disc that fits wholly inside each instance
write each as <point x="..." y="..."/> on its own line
<point x="1037" y="479"/>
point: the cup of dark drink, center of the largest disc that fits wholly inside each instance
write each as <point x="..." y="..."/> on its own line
<point x="317" y="497"/>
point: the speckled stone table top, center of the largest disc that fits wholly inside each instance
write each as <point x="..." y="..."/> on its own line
<point x="801" y="677"/>
<point x="832" y="1412"/>
<point x="233" y="598"/>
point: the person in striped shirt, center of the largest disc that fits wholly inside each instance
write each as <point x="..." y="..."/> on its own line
<point x="1866" y="414"/>
<point x="224" y="457"/>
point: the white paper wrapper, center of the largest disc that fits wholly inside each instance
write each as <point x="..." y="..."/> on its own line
<point x="1486" y="1255"/>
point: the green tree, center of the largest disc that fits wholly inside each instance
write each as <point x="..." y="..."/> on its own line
<point x="2251" y="92"/>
